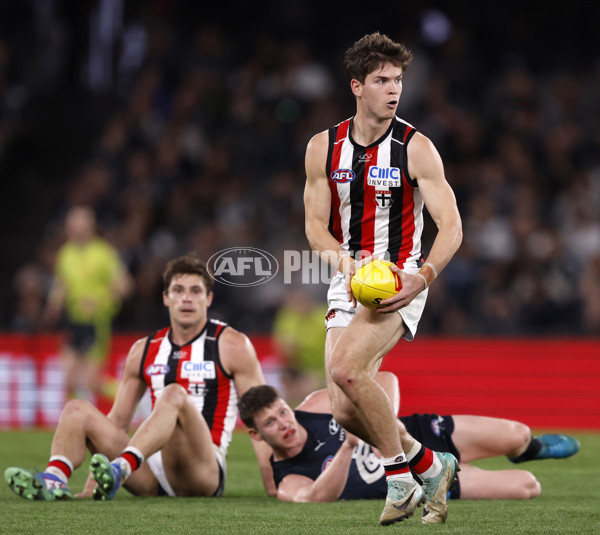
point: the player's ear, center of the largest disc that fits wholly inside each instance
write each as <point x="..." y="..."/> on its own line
<point x="164" y="296"/>
<point x="356" y="87"/>
<point x="209" y="299"/>
<point x="254" y="435"/>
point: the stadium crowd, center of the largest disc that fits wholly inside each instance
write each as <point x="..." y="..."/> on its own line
<point x="203" y="149"/>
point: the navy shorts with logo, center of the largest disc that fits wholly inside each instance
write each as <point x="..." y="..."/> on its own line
<point x="435" y="432"/>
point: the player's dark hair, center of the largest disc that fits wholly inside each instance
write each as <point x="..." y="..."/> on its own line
<point x="189" y="264"/>
<point x="254" y="400"/>
<point x="371" y="52"/>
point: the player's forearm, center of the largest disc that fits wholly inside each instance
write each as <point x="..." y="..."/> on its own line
<point x="329" y="486"/>
<point x="445" y="245"/>
<point x="329" y="250"/>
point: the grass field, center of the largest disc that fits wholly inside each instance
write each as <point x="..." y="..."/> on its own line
<point x="569" y="503"/>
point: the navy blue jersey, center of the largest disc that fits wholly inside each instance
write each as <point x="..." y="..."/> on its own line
<point x="366" y="477"/>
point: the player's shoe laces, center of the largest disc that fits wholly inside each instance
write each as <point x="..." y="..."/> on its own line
<point x="553" y="447"/>
<point x="435" y="510"/>
<point x="108" y="476"/>
<point x="37" y="486"/>
<point x="402" y="499"/>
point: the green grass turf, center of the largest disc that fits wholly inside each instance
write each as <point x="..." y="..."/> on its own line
<point x="569" y="503"/>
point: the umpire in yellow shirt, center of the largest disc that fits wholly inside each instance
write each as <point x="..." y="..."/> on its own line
<point x="90" y="282"/>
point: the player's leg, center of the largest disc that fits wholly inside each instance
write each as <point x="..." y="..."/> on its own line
<point x="81" y="425"/>
<point x="352" y="358"/>
<point x="478" y="484"/>
<point x="177" y="429"/>
<point x="480" y="437"/>
<point x="360" y="404"/>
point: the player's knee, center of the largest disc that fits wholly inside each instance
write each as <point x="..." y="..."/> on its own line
<point x="520" y="436"/>
<point x="346" y="377"/>
<point x="77" y="409"/>
<point x="530" y="486"/>
<point x="173" y="394"/>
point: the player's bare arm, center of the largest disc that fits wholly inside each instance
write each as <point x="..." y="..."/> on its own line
<point x="131" y="388"/>
<point x="328" y="486"/>
<point x="426" y="167"/>
<point x="317" y="206"/>
<point x="239" y="358"/>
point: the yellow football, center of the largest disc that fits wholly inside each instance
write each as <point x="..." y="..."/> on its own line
<point x="374" y="282"/>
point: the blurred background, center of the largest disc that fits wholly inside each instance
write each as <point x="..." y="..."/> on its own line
<point x="183" y="124"/>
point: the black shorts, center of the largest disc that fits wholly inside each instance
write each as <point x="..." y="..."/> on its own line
<point x="81" y="337"/>
<point x="434" y="432"/>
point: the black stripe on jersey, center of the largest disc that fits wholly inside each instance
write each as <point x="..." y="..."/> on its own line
<point x="145" y="353"/>
<point x="211" y="333"/>
<point x="357" y="200"/>
<point x="211" y="353"/>
<point x="173" y="364"/>
<point x="409" y="179"/>
<point x="397" y="159"/>
<point x="332" y="136"/>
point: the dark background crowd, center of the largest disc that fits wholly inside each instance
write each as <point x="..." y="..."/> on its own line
<point x="184" y="124"/>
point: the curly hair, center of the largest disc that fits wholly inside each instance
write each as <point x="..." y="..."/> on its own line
<point x="189" y="264"/>
<point x="372" y="51"/>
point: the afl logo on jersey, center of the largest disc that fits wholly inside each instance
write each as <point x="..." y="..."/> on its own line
<point x="341" y="176"/>
<point x="157" y="369"/>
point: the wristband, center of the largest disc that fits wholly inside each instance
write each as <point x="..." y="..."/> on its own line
<point x="435" y="273"/>
<point x="419" y="275"/>
<point x="428" y="273"/>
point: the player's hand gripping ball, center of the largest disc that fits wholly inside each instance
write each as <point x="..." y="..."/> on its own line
<point x="374" y="282"/>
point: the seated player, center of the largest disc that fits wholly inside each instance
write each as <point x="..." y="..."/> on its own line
<point x="306" y="441"/>
<point x="195" y="369"/>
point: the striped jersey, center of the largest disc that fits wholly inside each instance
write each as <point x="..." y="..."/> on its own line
<point x="376" y="207"/>
<point x="197" y="367"/>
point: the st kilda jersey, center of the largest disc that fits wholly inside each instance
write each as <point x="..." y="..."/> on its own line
<point x="197" y="367"/>
<point x="376" y="206"/>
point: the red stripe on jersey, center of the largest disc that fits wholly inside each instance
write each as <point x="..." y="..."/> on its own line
<point x="342" y="132"/>
<point x="220" y="413"/>
<point x="185" y="355"/>
<point x="408" y="221"/>
<point x="220" y="327"/>
<point x="367" y="238"/>
<point x="408" y="130"/>
<point x="153" y="348"/>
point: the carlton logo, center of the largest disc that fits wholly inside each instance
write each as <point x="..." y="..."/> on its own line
<point x="341" y="176"/>
<point x="157" y="369"/>
<point x="243" y="266"/>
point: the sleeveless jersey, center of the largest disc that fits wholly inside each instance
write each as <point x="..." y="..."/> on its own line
<point x="376" y="206"/>
<point x="197" y="367"/>
<point x="366" y="476"/>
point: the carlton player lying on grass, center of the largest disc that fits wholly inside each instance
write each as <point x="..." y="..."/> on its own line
<point x="315" y="460"/>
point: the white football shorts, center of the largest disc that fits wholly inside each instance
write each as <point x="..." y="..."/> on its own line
<point x="340" y="311"/>
<point x="155" y="462"/>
